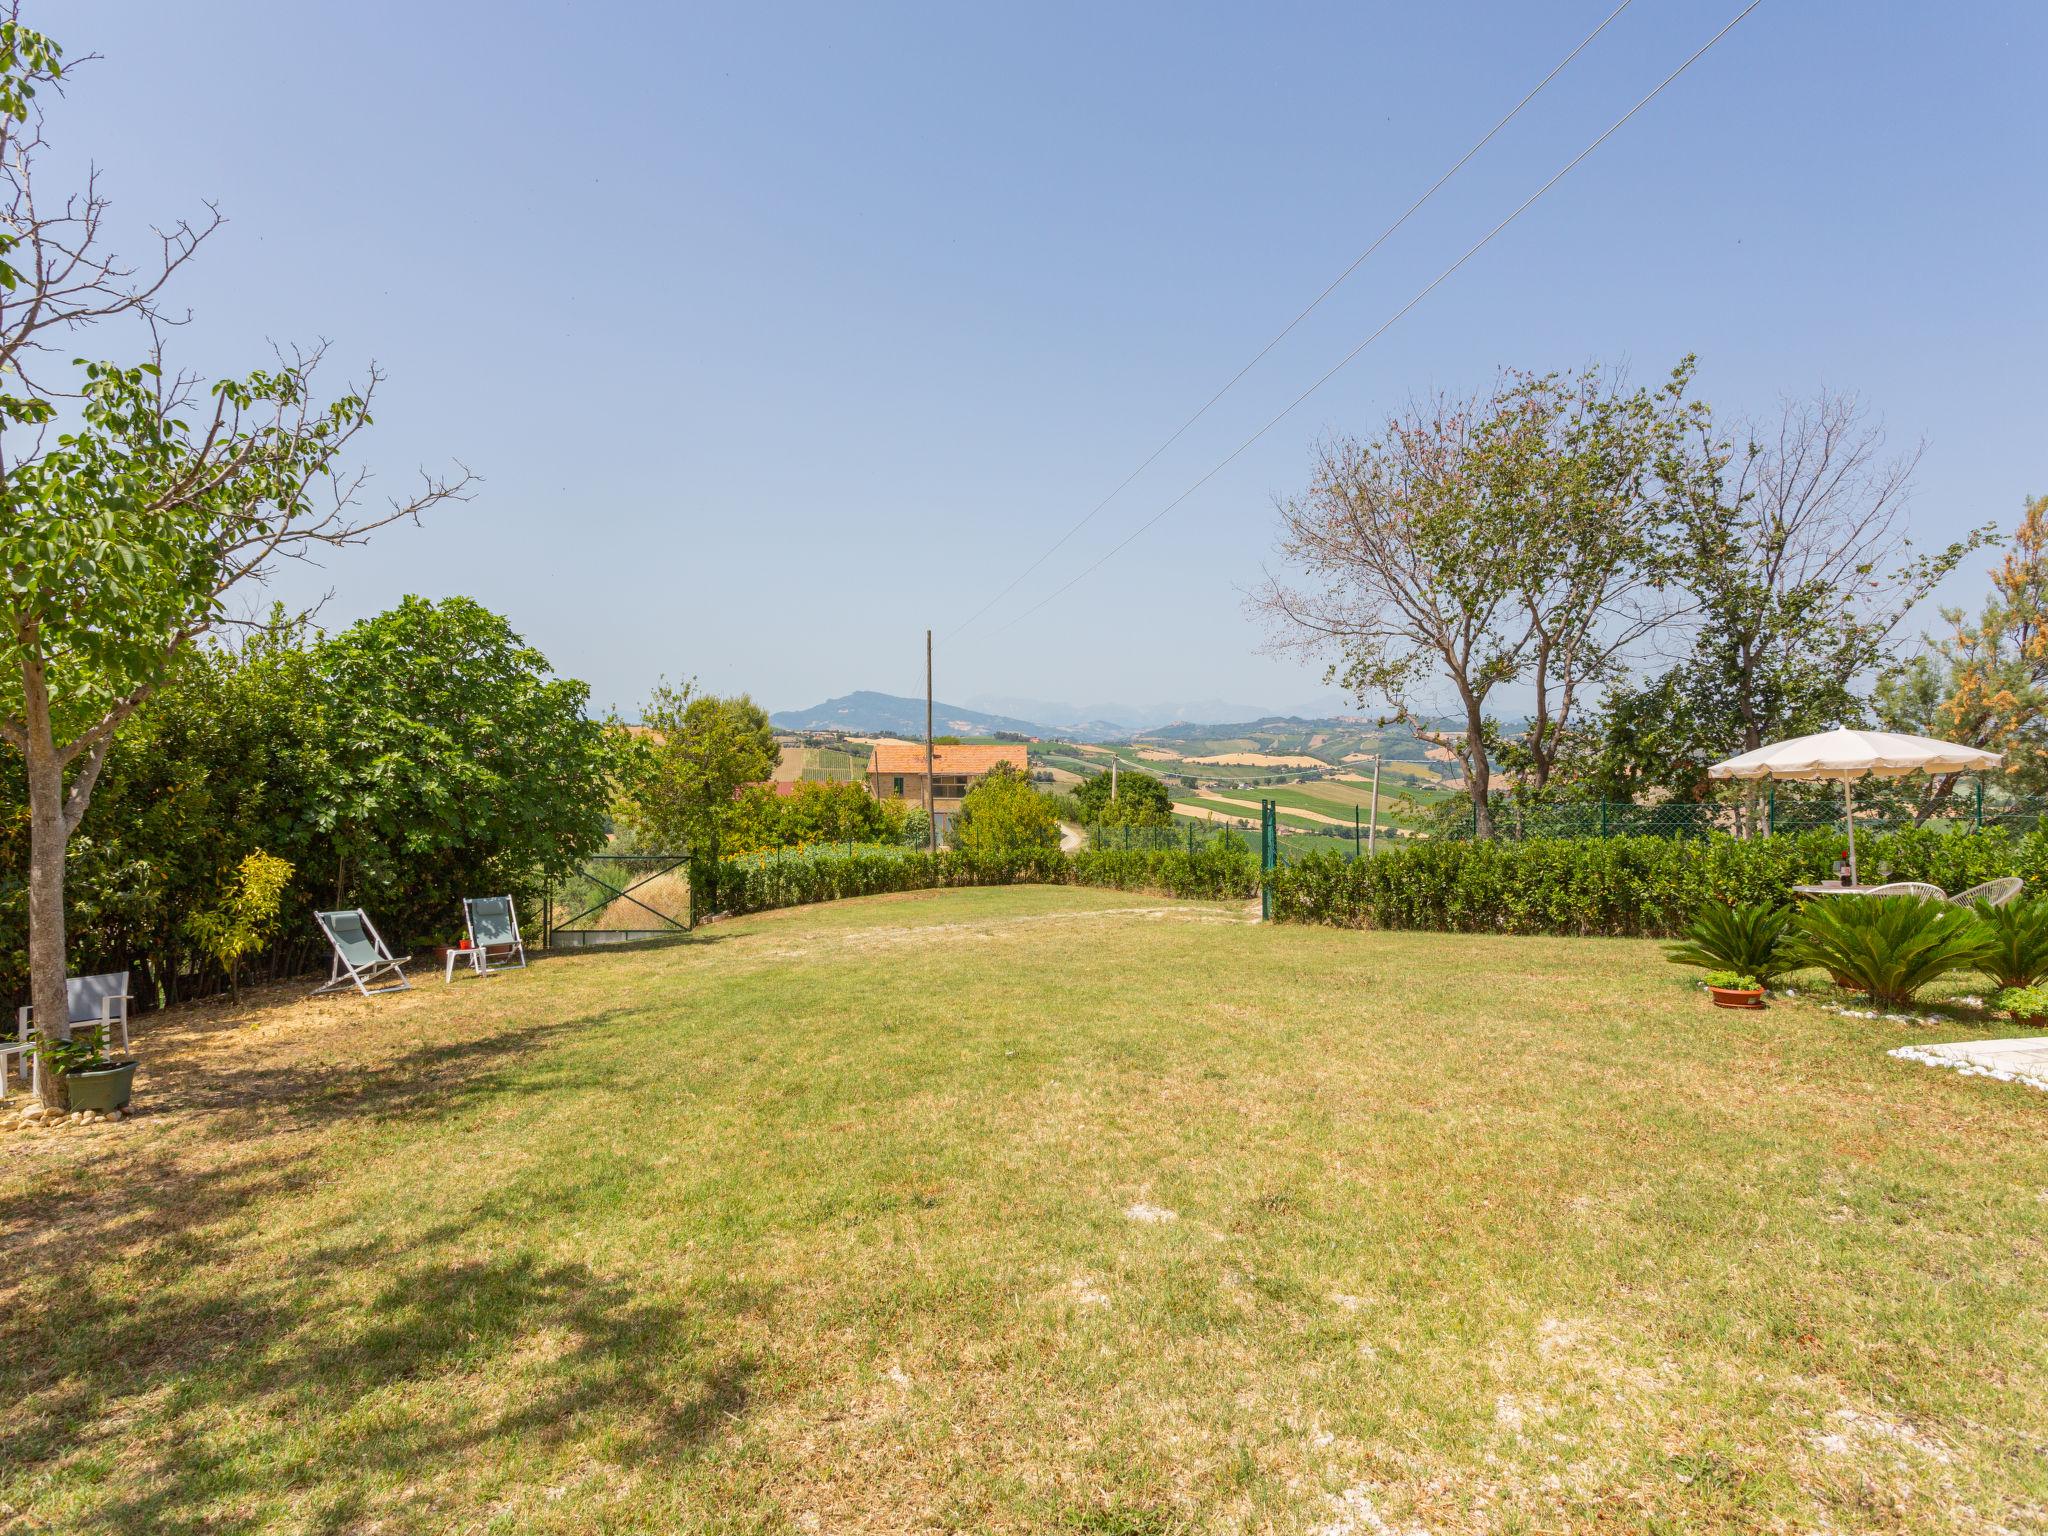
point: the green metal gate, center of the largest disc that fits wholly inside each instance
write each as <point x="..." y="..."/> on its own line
<point x="620" y="898"/>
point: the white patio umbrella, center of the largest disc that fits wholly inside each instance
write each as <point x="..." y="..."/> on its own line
<point x="1852" y="755"/>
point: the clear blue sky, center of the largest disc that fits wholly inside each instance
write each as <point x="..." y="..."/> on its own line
<point x="779" y="333"/>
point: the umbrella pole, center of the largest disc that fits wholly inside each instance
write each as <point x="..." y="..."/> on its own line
<point x="1849" y="815"/>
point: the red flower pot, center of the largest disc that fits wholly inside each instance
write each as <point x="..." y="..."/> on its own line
<point x="1737" y="997"/>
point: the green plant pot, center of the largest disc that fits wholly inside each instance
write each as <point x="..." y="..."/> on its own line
<point x="106" y="1089"/>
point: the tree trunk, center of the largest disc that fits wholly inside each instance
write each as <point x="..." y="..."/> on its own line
<point x="1478" y="774"/>
<point x="47" y="837"/>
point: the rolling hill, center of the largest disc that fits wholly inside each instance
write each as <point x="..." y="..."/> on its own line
<point x="889" y="714"/>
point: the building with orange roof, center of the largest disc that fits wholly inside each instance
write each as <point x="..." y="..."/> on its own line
<point x="896" y="772"/>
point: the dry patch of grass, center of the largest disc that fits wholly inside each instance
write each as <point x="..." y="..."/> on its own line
<point x="1033" y="1210"/>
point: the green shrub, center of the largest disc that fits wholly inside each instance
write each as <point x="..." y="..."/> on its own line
<point x="1639" y="887"/>
<point x="2026" y="1004"/>
<point x="2016" y="953"/>
<point x="1749" y="939"/>
<point x="1889" y="946"/>
<point x="1004" y="814"/>
<point x="1223" y="869"/>
<point x="1731" y="980"/>
<point x="247" y="915"/>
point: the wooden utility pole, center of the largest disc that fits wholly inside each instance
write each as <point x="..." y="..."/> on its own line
<point x="1372" y="831"/>
<point x="931" y="816"/>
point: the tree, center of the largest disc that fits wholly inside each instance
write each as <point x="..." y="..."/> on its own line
<point x="1985" y="683"/>
<point x="1003" y="814"/>
<point x="247" y="915"/>
<point x="816" y="811"/>
<point x="825" y="811"/>
<point x="457" y="764"/>
<point x="699" y="751"/>
<point x="126" y="526"/>
<point x="1585" y="474"/>
<point x="1793" y="550"/>
<point x="1141" y="800"/>
<point x="1473" y="544"/>
<point x="224" y="758"/>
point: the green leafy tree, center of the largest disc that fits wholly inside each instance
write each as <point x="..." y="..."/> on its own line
<point x="755" y="824"/>
<point x="246" y="917"/>
<point x="698" y="752"/>
<point x="456" y="764"/>
<point x="126" y="525"/>
<point x="1985" y="683"/>
<point x="1793" y="551"/>
<point x="823" y="811"/>
<point x="1002" y="813"/>
<point x="1141" y="800"/>
<point x="816" y="811"/>
<point x="1475" y="544"/>
<point x="224" y="758"/>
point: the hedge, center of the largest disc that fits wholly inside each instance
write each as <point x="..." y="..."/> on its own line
<point x="1222" y="869"/>
<point x="1645" y="887"/>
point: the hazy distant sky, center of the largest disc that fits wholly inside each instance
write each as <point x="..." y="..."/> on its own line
<point x="781" y="332"/>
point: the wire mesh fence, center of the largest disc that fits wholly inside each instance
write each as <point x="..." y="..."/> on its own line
<point x="1189" y="835"/>
<point x="1771" y="813"/>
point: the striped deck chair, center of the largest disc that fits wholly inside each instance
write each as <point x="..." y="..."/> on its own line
<point x="360" y="955"/>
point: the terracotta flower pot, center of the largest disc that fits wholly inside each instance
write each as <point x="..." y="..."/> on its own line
<point x="1737" y="997"/>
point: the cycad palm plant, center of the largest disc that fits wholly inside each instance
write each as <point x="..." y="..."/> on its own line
<point x="1889" y="946"/>
<point x="2016" y="936"/>
<point x="1750" y="940"/>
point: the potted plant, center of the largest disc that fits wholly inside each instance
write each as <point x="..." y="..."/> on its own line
<point x="1742" y="948"/>
<point x="1732" y="989"/>
<point x="89" y="1079"/>
<point x="2025" y="1005"/>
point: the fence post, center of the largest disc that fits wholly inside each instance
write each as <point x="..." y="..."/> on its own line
<point x="1269" y="836"/>
<point x="1771" y="810"/>
<point x="1980" y="804"/>
<point x="1354" y="836"/>
<point x="1603" y="818"/>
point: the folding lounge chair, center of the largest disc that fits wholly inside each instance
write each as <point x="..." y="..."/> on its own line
<point x="97" y="1001"/>
<point x="492" y="924"/>
<point x="360" y="955"/>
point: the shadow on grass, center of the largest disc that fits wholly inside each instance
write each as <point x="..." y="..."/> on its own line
<point x="347" y="1381"/>
<point x="453" y="1373"/>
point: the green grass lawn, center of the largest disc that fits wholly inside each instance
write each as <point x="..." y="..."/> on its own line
<point x="1034" y="1210"/>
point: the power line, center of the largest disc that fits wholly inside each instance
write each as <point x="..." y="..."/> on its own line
<point x="1345" y="361"/>
<point x="1286" y="330"/>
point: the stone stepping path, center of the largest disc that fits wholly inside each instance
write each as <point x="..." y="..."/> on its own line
<point x="2023" y="1060"/>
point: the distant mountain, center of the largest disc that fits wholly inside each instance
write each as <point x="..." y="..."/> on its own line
<point x="888" y="714"/>
<point x="1108" y="720"/>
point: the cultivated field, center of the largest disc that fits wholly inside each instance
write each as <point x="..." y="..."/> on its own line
<point x="1033" y="1210"/>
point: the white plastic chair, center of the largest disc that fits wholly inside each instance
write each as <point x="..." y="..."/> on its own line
<point x="1907" y="888"/>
